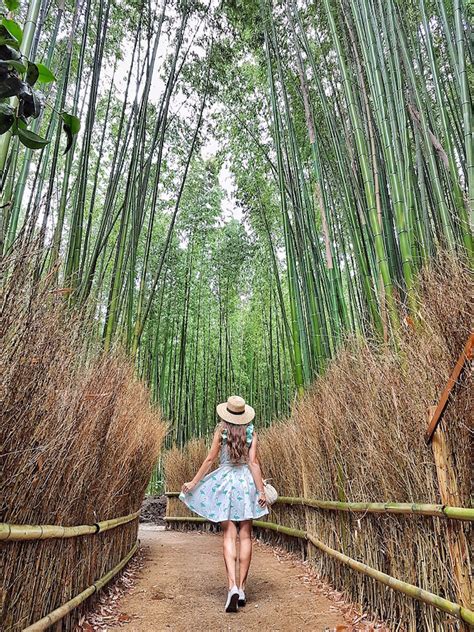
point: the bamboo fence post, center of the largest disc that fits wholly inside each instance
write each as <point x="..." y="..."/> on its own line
<point x="305" y="494"/>
<point x="456" y="538"/>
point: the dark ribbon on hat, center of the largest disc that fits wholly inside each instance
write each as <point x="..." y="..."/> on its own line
<point x="232" y="412"/>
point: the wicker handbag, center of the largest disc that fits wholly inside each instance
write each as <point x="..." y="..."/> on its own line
<point x="271" y="493"/>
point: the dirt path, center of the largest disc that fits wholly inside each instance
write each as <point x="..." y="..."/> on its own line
<point x="182" y="587"/>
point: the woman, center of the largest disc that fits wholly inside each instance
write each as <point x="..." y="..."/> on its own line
<point x="234" y="493"/>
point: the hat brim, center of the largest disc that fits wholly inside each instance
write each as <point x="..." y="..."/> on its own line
<point x="240" y="419"/>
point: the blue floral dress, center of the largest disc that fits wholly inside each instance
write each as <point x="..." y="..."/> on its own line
<point x="227" y="493"/>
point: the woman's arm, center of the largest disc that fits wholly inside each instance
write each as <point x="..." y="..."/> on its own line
<point x="254" y="466"/>
<point x="206" y="464"/>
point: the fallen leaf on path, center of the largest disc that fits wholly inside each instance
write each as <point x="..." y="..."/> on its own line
<point x="124" y="618"/>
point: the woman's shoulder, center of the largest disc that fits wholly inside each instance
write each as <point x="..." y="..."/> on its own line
<point x="250" y="431"/>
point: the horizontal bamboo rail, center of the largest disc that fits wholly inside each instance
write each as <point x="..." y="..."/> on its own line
<point x="410" y="590"/>
<point x="415" y="509"/>
<point x="106" y="525"/>
<point x="22" y="532"/>
<point x="58" y="614"/>
<point x="187" y="519"/>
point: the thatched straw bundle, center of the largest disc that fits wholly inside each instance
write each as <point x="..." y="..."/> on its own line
<point x="358" y="435"/>
<point x="78" y="443"/>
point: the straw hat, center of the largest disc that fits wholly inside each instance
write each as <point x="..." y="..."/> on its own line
<point x="236" y="411"/>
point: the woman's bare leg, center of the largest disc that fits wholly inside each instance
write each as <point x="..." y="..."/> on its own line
<point x="230" y="551"/>
<point x="245" y="550"/>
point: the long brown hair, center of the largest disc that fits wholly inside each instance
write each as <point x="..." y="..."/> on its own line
<point x="236" y="441"/>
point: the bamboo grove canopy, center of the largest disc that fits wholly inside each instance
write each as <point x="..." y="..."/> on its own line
<point x="251" y="182"/>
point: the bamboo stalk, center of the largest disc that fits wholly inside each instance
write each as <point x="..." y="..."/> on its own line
<point x="295" y="533"/>
<point x="419" y="509"/>
<point x="186" y="519"/>
<point x="62" y="611"/>
<point x="105" y="525"/>
<point x="459" y="513"/>
<point x="410" y="590"/>
<point x="18" y="532"/>
<point x="413" y="509"/>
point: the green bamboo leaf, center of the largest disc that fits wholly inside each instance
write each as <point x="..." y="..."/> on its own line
<point x="71" y="127"/>
<point x="45" y="74"/>
<point x="17" y="65"/>
<point x="72" y="121"/>
<point x="32" y="73"/>
<point x="14" y="29"/>
<point x="7" y="117"/>
<point x="18" y="124"/>
<point x="12" y="5"/>
<point x="31" y="140"/>
<point x="7" y="38"/>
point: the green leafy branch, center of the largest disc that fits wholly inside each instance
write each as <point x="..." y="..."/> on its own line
<point x="18" y="77"/>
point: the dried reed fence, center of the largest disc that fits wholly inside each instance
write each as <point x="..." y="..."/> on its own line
<point x="359" y="436"/>
<point x="78" y="441"/>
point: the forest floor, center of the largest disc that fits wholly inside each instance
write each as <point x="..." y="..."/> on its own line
<point x="179" y="585"/>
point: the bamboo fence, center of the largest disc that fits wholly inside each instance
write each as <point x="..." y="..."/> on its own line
<point x="18" y="532"/>
<point x="62" y="611"/>
<point x="454" y="609"/>
<point x="415" y="509"/>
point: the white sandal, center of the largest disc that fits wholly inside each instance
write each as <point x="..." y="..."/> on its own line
<point x="242" y="599"/>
